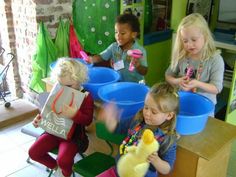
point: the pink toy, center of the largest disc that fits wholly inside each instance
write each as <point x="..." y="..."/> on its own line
<point x="189" y="72"/>
<point x="136" y="54"/>
<point x="84" y="56"/>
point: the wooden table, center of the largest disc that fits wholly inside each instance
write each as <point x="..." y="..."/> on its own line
<point x="205" y="154"/>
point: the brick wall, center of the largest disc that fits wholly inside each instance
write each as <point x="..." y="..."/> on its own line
<point x="8" y="42"/>
<point x="19" y="25"/>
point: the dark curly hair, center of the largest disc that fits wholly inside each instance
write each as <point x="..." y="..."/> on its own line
<point x="131" y="20"/>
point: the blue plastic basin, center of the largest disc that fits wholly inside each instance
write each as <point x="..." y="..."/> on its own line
<point x="53" y="64"/>
<point x="194" y="112"/>
<point x="98" y="77"/>
<point x="128" y="96"/>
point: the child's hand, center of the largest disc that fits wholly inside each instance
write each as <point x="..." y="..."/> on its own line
<point x="36" y="120"/>
<point x="136" y="62"/>
<point x="190" y="85"/>
<point x="182" y="81"/>
<point x="110" y="115"/>
<point x="89" y="59"/>
<point x="153" y="158"/>
<point x="160" y="165"/>
<point x="69" y="111"/>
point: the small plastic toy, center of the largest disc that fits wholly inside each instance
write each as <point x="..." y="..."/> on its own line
<point x="84" y="56"/>
<point x="136" y="54"/>
<point x="189" y="72"/>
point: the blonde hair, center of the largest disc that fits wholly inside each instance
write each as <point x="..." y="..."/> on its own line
<point x="167" y="100"/>
<point x="198" y="21"/>
<point x="70" y="67"/>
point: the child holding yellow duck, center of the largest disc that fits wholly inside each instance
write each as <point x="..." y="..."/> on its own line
<point x="159" y="115"/>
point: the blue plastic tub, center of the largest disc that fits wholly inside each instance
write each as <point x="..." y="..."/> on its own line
<point x="53" y="64"/>
<point x="98" y="77"/>
<point x="128" y="96"/>
<point x="194" y="112"/>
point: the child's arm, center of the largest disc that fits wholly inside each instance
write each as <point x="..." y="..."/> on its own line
<point x="165" y="164"/>
<point x="207" y="87"/>
<point x="84" y="115"/>
<point x="95" y="59"/>
<point x="175" y="80"/>
<point x="215" y="82"/>
<point x="160" y="165"/>
<point x="104" y="55"/>
<point x="140" y="68"/>
<point x="109" y="114"/>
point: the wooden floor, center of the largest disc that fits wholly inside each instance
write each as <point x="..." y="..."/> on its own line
<point x="19" y="110"/>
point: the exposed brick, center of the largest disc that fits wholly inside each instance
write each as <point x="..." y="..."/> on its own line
<point x="9" y="15"/>
<point x="55" y="9"/>
<point x="43" y="1"/>
<point x="10" y="23"/>
<point x="40" y="11"/>
<point x="55" y="25"/>
<point x="10" y="29"/>
<point x="12" y="45"/>
<point x="45" y="18"/>
<point x="64" y="1"/>
<point x="65" y="16"/>
<point x="8" y="9"/>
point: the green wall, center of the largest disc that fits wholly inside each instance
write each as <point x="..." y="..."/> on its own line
<point x="178" y="12"/>
<point x="158" y="61"/>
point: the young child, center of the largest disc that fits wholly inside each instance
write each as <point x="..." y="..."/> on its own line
<point x="69" y="73"/>
<point x="159" y="114"/>
<point x="127" y="29"/>
<point x="196" y="65"/>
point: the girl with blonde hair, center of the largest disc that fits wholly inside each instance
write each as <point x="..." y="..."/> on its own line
<point x="159" y="114"/>
<point x="196" y="64"/>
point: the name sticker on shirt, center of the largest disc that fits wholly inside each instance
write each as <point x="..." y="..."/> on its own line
<point x="119" y="65"/>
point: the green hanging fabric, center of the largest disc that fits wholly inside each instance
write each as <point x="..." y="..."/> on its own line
<point x="94" y="23"/>
<point x="45" y="54"/>
<point x="62" y="39"/>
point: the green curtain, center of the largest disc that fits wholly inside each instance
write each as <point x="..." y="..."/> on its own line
<point x="94" y="23"/>
<point x="62" y="39"/>
<point x="46" y="53"/>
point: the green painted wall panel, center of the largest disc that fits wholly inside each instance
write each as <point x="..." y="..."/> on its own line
<point x="178" y="12"/>
<point x="158" y="61"/>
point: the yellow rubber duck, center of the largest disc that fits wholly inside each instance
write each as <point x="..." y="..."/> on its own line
<point x="134" y="162"/>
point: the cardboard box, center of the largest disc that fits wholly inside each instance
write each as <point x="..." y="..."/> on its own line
<point x="205" y="154"/>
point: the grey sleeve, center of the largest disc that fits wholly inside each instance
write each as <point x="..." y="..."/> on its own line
<point x="217" y="72"/>
<point x="107" y="53"/>
<point x="171" y="72"/>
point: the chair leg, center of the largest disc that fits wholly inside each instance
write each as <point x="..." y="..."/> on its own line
<point x="28" y="160"/>
<point x="51" y="172"/>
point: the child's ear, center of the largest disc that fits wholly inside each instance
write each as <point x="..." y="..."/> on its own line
<point x="134" y="35"/>
<point x="170" y="115"/>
